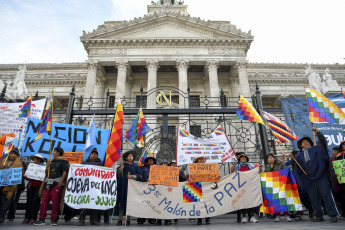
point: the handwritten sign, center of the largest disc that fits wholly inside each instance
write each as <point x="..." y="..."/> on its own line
<point x="164" y="175"/>
<point x="204" y="172"/>
<point x="230" y="154"/>
<point x="10" y="176"/>
<point x="73" y="157"/>
<point x="91" y="187"/>
<point x="339" y="169"/>
<point x="35" y="171"/>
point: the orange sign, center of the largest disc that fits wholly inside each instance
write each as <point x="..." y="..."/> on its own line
<point x="207" y="172"/>
<point x="73" y="157"/>
<point x="164" y="175"/>
<point x="2" y="142"/>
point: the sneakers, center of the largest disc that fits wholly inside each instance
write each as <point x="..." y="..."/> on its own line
<point x="318" y="219"/>
<point x="253" y="220"/>
<point x="53" y="223"/>
<point x="32" y="221"/>
<point x="287" y="219"/>
<point x="26" y="221"/>
<point x="277" y="219"/>
<point x="244" y="220"/>
<point x="40" y="223"/>
<point x="333" y="219"/>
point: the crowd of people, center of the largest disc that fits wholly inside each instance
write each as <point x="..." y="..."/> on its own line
<point x="318" y="187"/>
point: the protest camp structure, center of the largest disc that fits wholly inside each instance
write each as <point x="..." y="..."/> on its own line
<point x="189" y="71"/>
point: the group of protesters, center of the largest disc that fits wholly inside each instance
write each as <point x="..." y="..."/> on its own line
<point x="319" y="190"/>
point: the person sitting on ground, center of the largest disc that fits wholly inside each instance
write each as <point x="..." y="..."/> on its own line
<point x="91" y="160"/>
<point x="276" y="165"/>
<point x="7" y="192"/>
<point x="314" y="160"/>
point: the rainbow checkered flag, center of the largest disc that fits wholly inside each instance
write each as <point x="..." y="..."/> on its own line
<point x="26" y="109"/>
<point x="46" y="123"/>
<point x="280" y="130"/>
<point x="343" y="90"/>
<point x="247" y="112"/>
<point x="114" y="147"/>
<point x="138" y="129"/>
<point x="280" y="192"/>
<point x="143" y="157"/>
<point x="321" y="109"/>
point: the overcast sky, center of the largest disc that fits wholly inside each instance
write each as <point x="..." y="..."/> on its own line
<point x="296" y="31"/>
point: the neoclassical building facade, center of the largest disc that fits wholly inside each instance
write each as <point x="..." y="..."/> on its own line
<point x="165" y="48"/>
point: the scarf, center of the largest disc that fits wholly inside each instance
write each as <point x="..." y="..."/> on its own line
<point x="238" y="167"/>
<point x="306" y="154"/>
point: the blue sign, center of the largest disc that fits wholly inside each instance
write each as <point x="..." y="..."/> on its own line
<point x="10" y="176"/>
<point x="297" y="118"/>
<point x="71" y="138"/>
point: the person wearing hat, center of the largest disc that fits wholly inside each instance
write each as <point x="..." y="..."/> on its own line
<point x="91" y="160"/>
<point x="314" y="160"/>
<point x="33" y="200"/>
<point x="127" y="170"/>
<point x="145" y="172"/>
<point x="7" y="192"/>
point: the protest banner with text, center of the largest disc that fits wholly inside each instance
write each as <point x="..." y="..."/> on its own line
<point x="164" y="175"/>
<point x="91" y="187"/>
<point x="10" y="176"/>
<point x="339" y="170"/>
<point x="208" y="172"/>
<point x="9" y="119"/>
<point x="71" y="138"/>
<point x="5" y="142"/>
<point x="73" y="158"/>
<point x="35" y="171"/>
<point x="216" y="148"/>
<point x="236" y="191"/>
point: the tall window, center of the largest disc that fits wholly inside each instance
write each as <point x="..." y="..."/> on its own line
<point x="223" y="101"/>
<point x="111" y="102"/>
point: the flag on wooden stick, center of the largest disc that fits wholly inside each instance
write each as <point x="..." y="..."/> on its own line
<point x="247" y="112"/>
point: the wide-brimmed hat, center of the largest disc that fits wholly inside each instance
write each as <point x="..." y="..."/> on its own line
<point x="243" y="155"/>
<point x="154" y="160"/>
<point x="37" y="156"/>
<point x="125" y="155"/>
<point x="301" y="140"/>
<point x="195" y="159"/>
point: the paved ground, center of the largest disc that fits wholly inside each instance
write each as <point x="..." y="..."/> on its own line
<point x="224" y="222"/>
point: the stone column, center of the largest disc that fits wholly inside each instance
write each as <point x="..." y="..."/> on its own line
<point x="212" y="67"/>
<point x="182" y="68"/>
<point x="122" y="67"/>
<point x="152" y="68"/>
<point x="91" y="80"/>
<point x="241" y="67"/>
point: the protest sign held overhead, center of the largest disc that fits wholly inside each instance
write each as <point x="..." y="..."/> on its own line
<point x="35" y="171"/>
<point x="10" y="120"/>
<point x="71" y="138"/>
<point x="91" y="187"/>
<point x="339" y="170"/>
<point x="216" y="148"/>
<point x="164" y="175"/>
<point x="10" y="176"/>
<point x="206" y="172"/>
<point x="236" y="191"/>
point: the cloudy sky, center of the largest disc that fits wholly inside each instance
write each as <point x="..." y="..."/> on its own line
<point x="296" y="31"/>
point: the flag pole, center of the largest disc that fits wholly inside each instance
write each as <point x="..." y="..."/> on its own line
<point x="51" y="132"/>
<point x="266" y="123"/>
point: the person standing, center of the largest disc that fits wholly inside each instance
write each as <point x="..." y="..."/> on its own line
<point x="7" y="193"/>
<point x="315" y="161"/>
<point x="33" y="200"/>
<point x="127" y="170"/>
<point x="56" y="174"/>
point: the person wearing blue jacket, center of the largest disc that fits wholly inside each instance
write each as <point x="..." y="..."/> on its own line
<point x="314" y="160"/>
<point x="127" y="170"/>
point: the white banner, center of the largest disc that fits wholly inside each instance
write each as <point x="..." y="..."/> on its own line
<point x="216" y="148"/>
<point x="91" y="187"/>
<point x="9" y="120"/>
<point x="236" y="191"/>
<point x="35" y="171"/>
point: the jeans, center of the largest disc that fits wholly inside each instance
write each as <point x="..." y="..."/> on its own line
<point x="4" y="205"/>
<point x="14" y="204"/>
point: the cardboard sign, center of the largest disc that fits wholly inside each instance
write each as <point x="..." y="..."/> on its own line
<point x="3" y="142"/>
<point x="35" y="171"/>
<point x="91" y="187"/>
<point x="73" y="157"/>
<point x="10" y="176"/>
<point x="204" y="172"/>
<point x="339" y="169"/>
<point x="164" y="175"/>
<point x="216" y="148"/>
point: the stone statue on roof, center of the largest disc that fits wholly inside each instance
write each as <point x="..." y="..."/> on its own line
<point x="167" y="3"/>
<point x="328" y="83"/>
<point x="314" y="79"/>
<point x="17" y="89"/>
